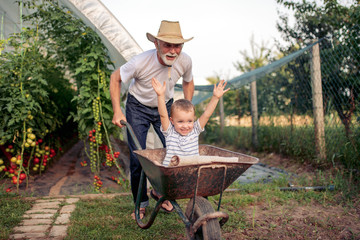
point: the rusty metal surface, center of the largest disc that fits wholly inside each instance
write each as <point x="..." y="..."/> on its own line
<point x="180" y="182"/>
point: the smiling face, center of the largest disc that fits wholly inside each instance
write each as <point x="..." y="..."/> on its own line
<point x="167" y="52"/>
<point x="182" y="116"/>
<point x="183" y="121"/>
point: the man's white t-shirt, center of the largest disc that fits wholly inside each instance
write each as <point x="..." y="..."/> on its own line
<point x="143" y="67"/>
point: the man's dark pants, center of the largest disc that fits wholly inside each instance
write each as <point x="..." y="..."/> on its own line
<point x="140" y="117"/>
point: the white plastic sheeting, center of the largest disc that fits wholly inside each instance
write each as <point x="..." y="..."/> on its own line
<point x="118" y="41"/>
<point x="115" y="37"/>
<point x="10" y="18"/>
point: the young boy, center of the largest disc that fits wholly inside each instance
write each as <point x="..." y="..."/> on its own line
<point x="181" y="131"/>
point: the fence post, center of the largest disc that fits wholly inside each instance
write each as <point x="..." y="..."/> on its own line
<point x="254" y="114"/>
<point x="318" y="108"/>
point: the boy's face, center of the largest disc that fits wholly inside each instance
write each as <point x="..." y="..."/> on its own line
<point x="183" y="121"/>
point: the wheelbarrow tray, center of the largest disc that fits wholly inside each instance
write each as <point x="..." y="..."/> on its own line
<point x="207" y="179"/>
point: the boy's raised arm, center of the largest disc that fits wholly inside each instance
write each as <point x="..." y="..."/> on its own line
<point x="210" y="108"/>
<point x="160" y="91"/>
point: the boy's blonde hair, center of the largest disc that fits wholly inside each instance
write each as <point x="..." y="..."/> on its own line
<point x="182" y="104"/>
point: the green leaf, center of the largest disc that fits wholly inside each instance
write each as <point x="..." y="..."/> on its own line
<point x="85" y="94"/>
<point x="106" y="116"/>
<point x="94" y="76"/>
<point x="10" y="122"/>
<point x="85" y="111"/>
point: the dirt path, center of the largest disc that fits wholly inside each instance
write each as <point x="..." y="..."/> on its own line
<point x="67" y="177"/>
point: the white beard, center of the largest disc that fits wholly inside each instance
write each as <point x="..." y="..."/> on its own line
<point x="166" y="61"/>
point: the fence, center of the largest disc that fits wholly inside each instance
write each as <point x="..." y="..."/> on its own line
<point x="307" y="107"/>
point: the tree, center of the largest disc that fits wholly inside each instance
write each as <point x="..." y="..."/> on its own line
<point x="337" y="25"/>
<point x="260" y="56"/>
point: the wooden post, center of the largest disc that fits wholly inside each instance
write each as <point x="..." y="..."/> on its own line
<point x="254" y="114"/>
<point x="318" y="108"/>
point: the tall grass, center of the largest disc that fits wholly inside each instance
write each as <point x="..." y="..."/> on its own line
<point x="292" y="141"/>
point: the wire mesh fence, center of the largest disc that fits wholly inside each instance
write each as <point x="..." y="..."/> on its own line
<point x="290" y="121"/>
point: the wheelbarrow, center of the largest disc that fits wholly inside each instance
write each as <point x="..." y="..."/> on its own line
<point x="195" y="181"/>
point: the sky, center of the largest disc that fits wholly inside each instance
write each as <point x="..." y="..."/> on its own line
<point x="221" y="29"/>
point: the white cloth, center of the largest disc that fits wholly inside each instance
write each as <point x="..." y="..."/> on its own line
<point x="205" y="159"/>
<point x="143" y="67"/>
<point x="179" y="145"/>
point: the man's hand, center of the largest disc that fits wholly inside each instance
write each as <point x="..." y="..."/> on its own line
<point x="117" y="118"/>
<point x="158" y="87"/>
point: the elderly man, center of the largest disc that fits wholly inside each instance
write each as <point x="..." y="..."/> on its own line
<point x="167" y="63"/>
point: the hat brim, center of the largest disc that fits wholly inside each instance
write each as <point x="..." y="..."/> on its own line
<point x="152" y="38"/>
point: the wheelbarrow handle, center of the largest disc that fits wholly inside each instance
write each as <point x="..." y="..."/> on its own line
<point x="142" y="185"/>
<point x="132" y="134"/>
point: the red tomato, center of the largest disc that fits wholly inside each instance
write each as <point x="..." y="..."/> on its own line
<point x="22" y="176"/>
<point x="14" y="180"/>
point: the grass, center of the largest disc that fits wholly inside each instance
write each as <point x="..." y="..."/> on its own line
<point x="110" y="218"/>
<point x="253" y="209"/>
<point x="12" y="209"/>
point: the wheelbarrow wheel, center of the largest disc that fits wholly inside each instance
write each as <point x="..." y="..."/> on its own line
<point x="211" y="228"/>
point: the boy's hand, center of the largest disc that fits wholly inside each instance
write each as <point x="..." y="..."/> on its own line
<point x="158" y="87"/>
<point x="219" y="89"/>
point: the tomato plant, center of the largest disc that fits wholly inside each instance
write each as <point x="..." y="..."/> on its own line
<point x="33" y="90"/>
<point x="52" y="77"/>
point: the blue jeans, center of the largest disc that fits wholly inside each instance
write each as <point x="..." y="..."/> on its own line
<point x="140" y="117"/>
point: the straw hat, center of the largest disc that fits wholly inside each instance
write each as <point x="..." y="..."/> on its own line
<point x="169" y="32"/>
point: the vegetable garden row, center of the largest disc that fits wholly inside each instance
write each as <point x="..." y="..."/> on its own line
<point x="54" y="78"/>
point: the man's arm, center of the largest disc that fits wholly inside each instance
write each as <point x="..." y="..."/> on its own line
<point x="188" y="89"/>
<point x="160" y="92"/>
<point x="115" y="93"/>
